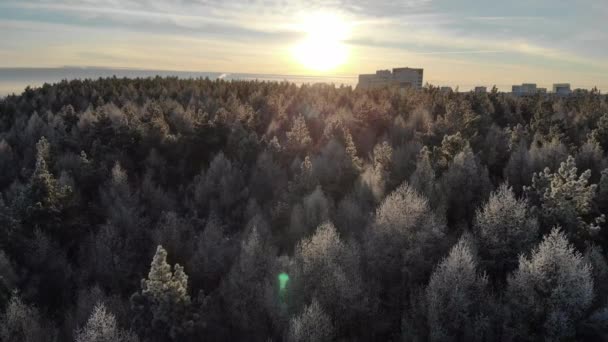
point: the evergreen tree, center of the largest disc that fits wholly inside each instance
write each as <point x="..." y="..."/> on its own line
<point x="327" y="270"/>
<point x="457" y="298"/>
<point x="600" y="133"/>
<point x="312" y="325"/>
<point x="424" y="179"/>
<point x="565" y="199"/>
<point x="298" y="138"/>
<point x="465" y="185"/>
<point x="102" y="327"/>
<point x="43" y="199"/>
<point x="21" y="322"/>
<point x="402" y="245"/>
<point x="162" y="307"/>
<point x="550" y="292"/>
<point x="248" y="291"/>
<point x="505" y="228"/>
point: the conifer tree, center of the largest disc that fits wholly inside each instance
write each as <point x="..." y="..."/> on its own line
<point x="162" y="306"/>
<point x="327" y="269"/>
<point x="457" y="297"/>
<point x="549" y="292"/>
<point x="43" y="198"/>
<point x="248" y="291"/>
<point x="102" y="327"/>
<point x="22" y="322"/>
<point x="312" y="325"/>
<point x="505" y="228"/>
<point x="565" y="199"/>
<point x="298" y="138"/>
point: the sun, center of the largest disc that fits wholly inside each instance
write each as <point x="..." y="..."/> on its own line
<point x="323" y="49"/>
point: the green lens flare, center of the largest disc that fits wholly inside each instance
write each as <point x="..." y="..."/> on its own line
<point x="283" y="279"/>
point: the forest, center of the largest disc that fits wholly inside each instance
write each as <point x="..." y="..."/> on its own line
<point x="166" y="209"/>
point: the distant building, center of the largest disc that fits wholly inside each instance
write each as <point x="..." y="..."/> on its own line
<point x="401" y="77"/>
<point x="446" y="89"/>
<point x="516" y="90"/>
<point x="481" y="90"/>
<point x="562" y="89"/>
<point x="526" y="89"/>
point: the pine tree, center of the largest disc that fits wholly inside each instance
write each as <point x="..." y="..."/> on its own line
<point x="565" y="199"/>
<point x="351" y="150"/>
<point x="401" y="245"/>
<point x="298" y="138"/>
<point x="423" y="179"/>
<point x="549" y="292"/>
<point x="465" y="184"/>
<point x="600" y="133"/>
<point x="456" y="298"/>
<point x="505" y="228"/>
<point x="327" y="270"/>
<point x="162" y="306"/>
<point x="43" y="198"/>
<point x="21" y="322"/>
<point x="602" y="193"/>
<point x="312" y="325"/>
<point x="248" y="292"/>
<point x="102" y="327"/>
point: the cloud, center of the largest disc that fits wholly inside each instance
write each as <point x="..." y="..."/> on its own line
<point x="539" y="33"/>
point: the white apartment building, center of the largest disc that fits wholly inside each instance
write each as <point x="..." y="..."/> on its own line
<point x="562" y="89"/>
<point x="401" y="77"/>
<point x="525" y="89"/>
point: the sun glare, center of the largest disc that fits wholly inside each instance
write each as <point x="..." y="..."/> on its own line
<point x="323" y="49"/>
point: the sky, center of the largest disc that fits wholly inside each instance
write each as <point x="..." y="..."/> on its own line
<point x="457" y="42"/>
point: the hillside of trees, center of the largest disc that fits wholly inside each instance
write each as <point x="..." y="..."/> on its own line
<point x="195" y="210"/>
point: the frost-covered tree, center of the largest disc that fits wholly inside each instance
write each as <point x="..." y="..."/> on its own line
<point x="599" y="267"/>
<point x="549" y="154"/>
<point x="22" y="322"/>
<point x="457" y="298"/>
<point x="221" y="186"/>
<point x="304" y="180"/>
<point x="334" y="167"/>
<point x="590" y="156"/>
<point x="248" y="291"/>
<point x="451" y="146"/>
<point x="44" y="198"/>
<point x="102" y="327"/>
<point x="424" y="179"/>
<point x="565" y="199"/>
<point x="602" y="192"/>
<point x="549" y="293"/>
<point x="401" y="247"/>
<point x="505" y="228"/>
<point x="120" y="201"/>
<point x="382" y="157"/>
<point x="465" y="184"/>
<point x="312" y="325"/>
<point x="298" y="138"/>
<point x="327" y="269"/>
<point x="600" y="133"/>
<point x="404" y="230"/>
<point x="518" y="171"/>
<point x="162" y="307"/>
<point x="212" y="255"/>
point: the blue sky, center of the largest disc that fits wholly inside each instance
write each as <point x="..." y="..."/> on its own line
<point x="458" y="42"/>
